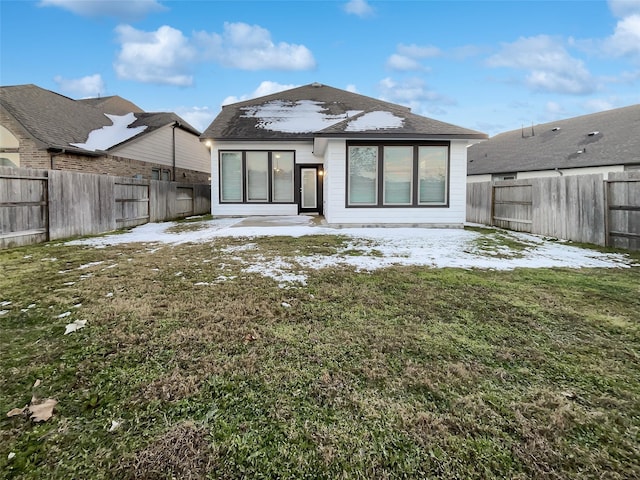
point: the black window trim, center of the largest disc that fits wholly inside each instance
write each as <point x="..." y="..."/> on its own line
<point x="244" y="177"/>
<point x="380" y="173"/>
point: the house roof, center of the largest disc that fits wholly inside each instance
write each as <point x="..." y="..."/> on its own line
<point x="317" y="110"/>
<point x="599" y="139"/>
<point x="56" y="122"/>
<point x="114" y="105"/>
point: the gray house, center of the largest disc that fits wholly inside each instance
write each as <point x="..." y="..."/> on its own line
<point x="597" y="143"/>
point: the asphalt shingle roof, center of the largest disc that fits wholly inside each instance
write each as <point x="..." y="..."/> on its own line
<point x="605" y="138"/>
<point x="56" y="121"/>
<point x="235" y="122"/>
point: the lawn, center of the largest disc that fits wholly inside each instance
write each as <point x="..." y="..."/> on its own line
<point x="192" y="365"/>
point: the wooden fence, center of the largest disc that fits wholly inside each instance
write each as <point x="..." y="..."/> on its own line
<point x="41" y="205"/>
<point x="582" y="208"/>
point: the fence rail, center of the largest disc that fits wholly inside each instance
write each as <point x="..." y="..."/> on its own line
<point x="41" y="205"/>
<point x="582" y="208"/>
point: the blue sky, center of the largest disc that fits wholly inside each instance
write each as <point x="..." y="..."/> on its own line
<point x="491" y="66"/>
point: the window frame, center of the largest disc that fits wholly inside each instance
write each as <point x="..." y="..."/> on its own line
<point x="415" y="180"/>
<point x="244" y="178"/>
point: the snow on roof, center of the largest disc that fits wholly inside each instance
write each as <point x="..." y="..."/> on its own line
<point x="294" y="117"/>
<point x="377" y="120"/>
<point x="106" y="137"/>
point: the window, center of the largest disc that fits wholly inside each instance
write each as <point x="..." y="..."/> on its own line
<point x="432" y="174"/>
<point x="256" y="177"/>
<point x="282" y="177"/>
<point x="363" y="175"/>
<point x="398" y="172"/>
<point x="161" y="174"/>
<point x="397" y="175"/>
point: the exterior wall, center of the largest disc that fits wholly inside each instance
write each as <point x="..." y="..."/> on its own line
<point x="303" y="155"/>
<point x="157" y="148"/>
<point x="553" y="173"/>
<point x="337" y="213"/>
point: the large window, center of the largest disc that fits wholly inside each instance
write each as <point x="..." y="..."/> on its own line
<point x="408" y="175"/>
<point x="256" y="177"/>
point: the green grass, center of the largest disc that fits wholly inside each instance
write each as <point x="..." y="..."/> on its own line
<point x="407" y="372"/>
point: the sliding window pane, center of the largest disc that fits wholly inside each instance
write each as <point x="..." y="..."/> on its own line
<point x="231" y="176"/>
<point x="257" y="177"/>
<point x="398" y="173"/>
<point x="363" y="175"/>
<point x="432" y="171"/>
<point x="282" y="164"/>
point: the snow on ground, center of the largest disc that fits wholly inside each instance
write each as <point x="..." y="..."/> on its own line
<point x="371" y="248"/>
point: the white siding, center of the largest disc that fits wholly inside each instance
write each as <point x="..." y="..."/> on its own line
<point x="303" y="154"/>
<point x="335" y="193"/>
<point x="553" y="173"/>
<point x="157" y="147"/>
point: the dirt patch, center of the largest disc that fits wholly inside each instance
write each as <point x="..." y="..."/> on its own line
<point x="183" y="452"/>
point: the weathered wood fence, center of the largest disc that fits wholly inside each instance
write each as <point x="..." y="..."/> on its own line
<point x="41" y="205"/>
<point x="582" y="208"/>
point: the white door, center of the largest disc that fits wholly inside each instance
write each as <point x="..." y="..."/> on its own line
<point x="308" y="190"/>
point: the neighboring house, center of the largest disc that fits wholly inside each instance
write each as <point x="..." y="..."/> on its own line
<point x="42" y="129"/>
<point x="355" y="159"/>
<point x="597" y="143"/>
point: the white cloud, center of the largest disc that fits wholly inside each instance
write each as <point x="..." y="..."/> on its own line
<point x="198" y="117"/>
<point x="89" y="86"/>
<point x="599" y="105"/>
<point x="407" y="57"/>
<point x="250" y="47"/>
<point x="625" y="40"/>
<point x="622" y="8"/>
<point x="418" y="51"/>
<point x="549" y="65"/>
<point x="163" y="56"/>
<point x="126" y="10"/>
<point x="413" y="93"/>
<point x="402" y="63"/>
<point x="361" y="8"/>
<point x="265" y="88"/>
<point x="351" y="88"/>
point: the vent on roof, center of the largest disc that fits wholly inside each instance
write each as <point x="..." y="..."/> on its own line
<point x="316" y="85"/>
<point x="555" y="129"/>
<point x="591" y="134"/>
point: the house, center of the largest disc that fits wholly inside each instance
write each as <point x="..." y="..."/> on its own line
<point x="597" y="143"/>
<point x="43" y="129"/>
<point x="355" y="159"/>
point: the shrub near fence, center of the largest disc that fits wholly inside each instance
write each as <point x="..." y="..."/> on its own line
<point x="41" y="205"/>
<point x="582" y="208"/>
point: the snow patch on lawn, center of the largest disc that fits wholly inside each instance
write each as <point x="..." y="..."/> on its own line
<point x="370" y="249"/>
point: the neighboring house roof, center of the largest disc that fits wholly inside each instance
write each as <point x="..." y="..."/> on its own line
<point x="599" y="139"/>
<point x="61" y="123"/>
<point x="318" y="110"/>
<point x="114" y="105"/>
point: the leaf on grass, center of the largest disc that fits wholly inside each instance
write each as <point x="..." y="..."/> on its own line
<point x="17" y="411"/>
<point x="77" y="325"/>
<point x="114" y="425"/>
<point x="65" y="314"/>
<point x="37" y="383"/>
<point x="286" y="305"/>
<point x="43" y="411"/>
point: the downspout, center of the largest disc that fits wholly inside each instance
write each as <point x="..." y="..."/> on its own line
<point x="173" y="131"/>
<point x="53" y="154"/>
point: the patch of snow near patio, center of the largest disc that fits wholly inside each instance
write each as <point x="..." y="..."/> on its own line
<point x="294" y="117"/>
<point x="374" y="248"/>
<point x="106" y="137"/>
